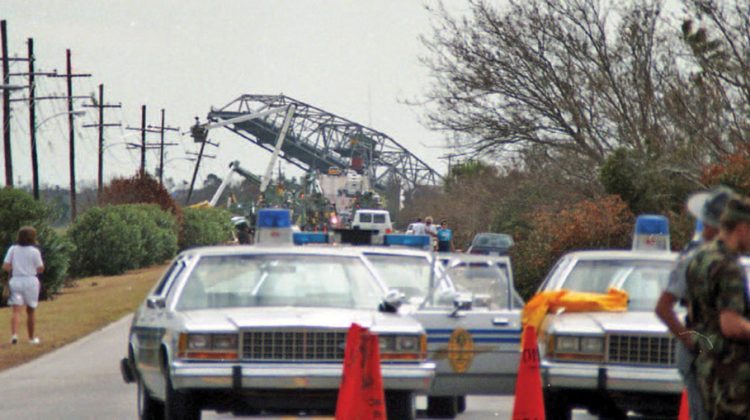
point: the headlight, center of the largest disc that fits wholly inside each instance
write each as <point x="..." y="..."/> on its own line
<point x="567" y="344"/>
<point x="207" y="346"/>
<point x="407" y="343"/>
<point x="224" y="342"/>
<point x="402" y="347"/>
<point x="386" y="343"/>
<point x="199" y="342"/>
<point x="574" y="347"/>
<point x="592" y="345"/>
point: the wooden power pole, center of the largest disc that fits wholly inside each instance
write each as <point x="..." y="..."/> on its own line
<point x="101" y="125"/>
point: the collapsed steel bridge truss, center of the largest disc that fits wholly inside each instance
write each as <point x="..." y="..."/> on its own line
<point x="319" y="140"/>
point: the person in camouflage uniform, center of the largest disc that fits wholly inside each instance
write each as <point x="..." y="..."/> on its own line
<point x="720" y="315"/>
<point x="706" y="207"/>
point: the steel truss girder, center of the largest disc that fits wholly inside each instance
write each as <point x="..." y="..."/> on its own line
<point x="317" y="140"/>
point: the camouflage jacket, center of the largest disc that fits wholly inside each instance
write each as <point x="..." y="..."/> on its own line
<point x="716" y="281"/>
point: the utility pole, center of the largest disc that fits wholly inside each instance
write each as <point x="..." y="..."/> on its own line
<point x="6" y="106"/>
<point x="6" y="88"/>
<point x="161" y="129"/>
<point x="32" y="123"/>
<point x="151" y="129"/>
<point x="200" y="135"/>
<point x="101" y="105"/>
<point x="32" y="100"/>
<point x="143" y="140"/>
<point x="161" y="150"/>
<point x="71" y="131"/>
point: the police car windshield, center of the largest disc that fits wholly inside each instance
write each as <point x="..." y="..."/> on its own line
<point x="231" y="281"/>
<point x="408" y="274"/>
<point x="643" y="280"/>
<point x="483" y="279"/>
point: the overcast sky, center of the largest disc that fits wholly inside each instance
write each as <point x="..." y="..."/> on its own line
<point x="356" y="59"/>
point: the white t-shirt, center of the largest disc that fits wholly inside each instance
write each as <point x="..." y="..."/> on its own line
<point x="24" y="259"/>
<point x="419" y="228"/>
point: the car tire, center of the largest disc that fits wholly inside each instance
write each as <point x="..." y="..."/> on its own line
<point x="442" y="407"/>
<point x="400" y="405"/>
<point x="148" y="407"/>
<point x="557" y="406"/>
<point x="461" y="403"/>
<point x="179" y="405"/>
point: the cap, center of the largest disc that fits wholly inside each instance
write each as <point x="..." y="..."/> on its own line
<point x="707" y="206"/>
<point x="737" y="209"/>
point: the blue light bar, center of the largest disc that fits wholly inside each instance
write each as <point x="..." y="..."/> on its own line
<point x="651" y="224"/>
<point x="651" y="233"/>
<point x="274" y="218"/>
<point x="302" y="238"/>
<point x="417" y="241"/>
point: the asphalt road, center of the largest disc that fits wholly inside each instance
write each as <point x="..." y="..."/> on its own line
<point x="82" y="381"/>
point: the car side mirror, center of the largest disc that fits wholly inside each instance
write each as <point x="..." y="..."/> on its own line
<point x="462" y="302"/>
<point x="156" y="302"/>
<point x="392" y="301"/>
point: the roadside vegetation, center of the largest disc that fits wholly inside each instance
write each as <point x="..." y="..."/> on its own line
<point x="568" y="118"/>
<point x="101" y="266"/>
<point x="86" y="305"/>
<point x="137" y="224"/>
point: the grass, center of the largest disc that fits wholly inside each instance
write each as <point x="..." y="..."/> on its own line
<point x="90" y="304"/>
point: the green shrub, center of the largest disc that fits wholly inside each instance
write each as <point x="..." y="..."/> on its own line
<point x="158" y="232"/>
<point x="205" y="226"/>
<point x="105" y="243"/>
<point x="110" y="240"/>
<point x="18" y="208"/>
<point x="56" y="251"/>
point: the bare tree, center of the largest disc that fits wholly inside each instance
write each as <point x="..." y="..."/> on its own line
<point x="576" y="77"/>
<point x="718" y="34"/>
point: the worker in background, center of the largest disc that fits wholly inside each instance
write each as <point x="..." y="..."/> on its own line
<point x="431" y="229"/>
<point x="706" y="207"/>
<point x="445" y="237"/>
<point x="418" y="227"/>
<point x="244" y="233"/>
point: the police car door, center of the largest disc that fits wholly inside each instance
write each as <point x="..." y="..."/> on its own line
<point x="473" y="323"/>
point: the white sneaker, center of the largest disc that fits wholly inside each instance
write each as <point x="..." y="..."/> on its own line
<point x="34" y="340"/>
<point x="14" y="339"/>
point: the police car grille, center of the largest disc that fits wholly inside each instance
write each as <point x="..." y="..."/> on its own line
<point x="293" y="345"/>
<point x="641" y="350"/>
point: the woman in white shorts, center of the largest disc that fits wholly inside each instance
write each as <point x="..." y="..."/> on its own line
<point x="24" y="262"/>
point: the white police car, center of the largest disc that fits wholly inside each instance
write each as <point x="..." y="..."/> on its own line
<point x="612" y="363"/>
<point x="470" y="310"/>
<point x="246" y="328"/>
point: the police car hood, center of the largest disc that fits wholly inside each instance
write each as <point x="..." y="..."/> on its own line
<point x="604" y="322"/>
<point x="232" y="319"/>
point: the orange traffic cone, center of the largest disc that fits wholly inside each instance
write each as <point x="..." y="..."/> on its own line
<point x="684" y="408"/>
<point x="529" y="402"/>
<point x="373" y="396"/>
<point x="361" y="395"/>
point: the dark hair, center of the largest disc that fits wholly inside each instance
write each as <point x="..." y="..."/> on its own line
<point x="443" y="222"/>
<point x="26" y="236"/>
